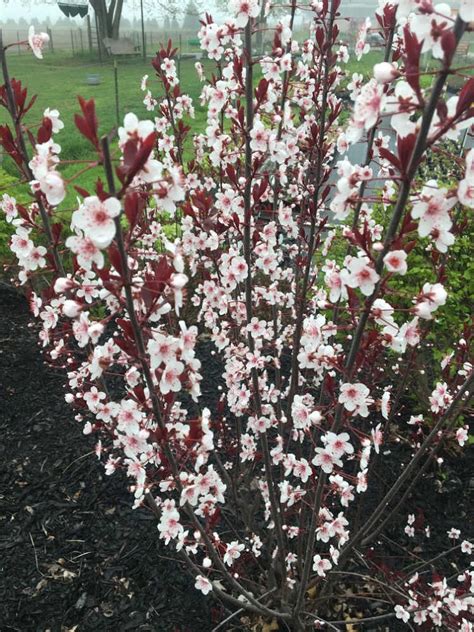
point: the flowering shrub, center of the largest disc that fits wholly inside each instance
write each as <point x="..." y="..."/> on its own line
<point x="259" y="487"/>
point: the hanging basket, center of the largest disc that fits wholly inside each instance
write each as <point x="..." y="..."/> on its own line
<point x="72" y="8"/>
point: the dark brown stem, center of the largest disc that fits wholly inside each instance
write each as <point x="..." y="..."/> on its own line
<point x="249" y="107"/>
<point x="397" y="215"/>
<point x="299" y="322"/>
<point x="137" y="333"/>
<point x="314" y="215"/>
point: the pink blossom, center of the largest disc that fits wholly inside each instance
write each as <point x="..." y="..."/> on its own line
<point x="385" y="72"/>
<point x="338" y="444"/>
<point x="362" y="47"/>
<point x="134" y="128"/>
<point x="52" y="185"/>
<point x="368" y="104"/>
<point x="232" y="553"/>
<point x="244" y="10"/>
<point x="96" y="219"/>
<point x="326" y="460"/>
<point x="402" y="614"/>
<point x="466" y="185"/>
<point x="359" y="273"/>
<point x="321" y="565"/>
<point x="71" y="308"/>
<point x="462" y="435"/>
<point x="432" y="296"/>
<point x="53" y="116"/>
<point x="377" y="437"/>
<point x="169" y="526"/>
<point x="395" y="261"/>
<point x="170" y="380"/>
<point x="86" y="251"/>
<point x="432" y="209"/>
<point x="37" y="41"/>
<point x="355" y="398"/>
<point x="8" y="206"/>
<point x="203" y="584"/>
<point x="162" y="349"/>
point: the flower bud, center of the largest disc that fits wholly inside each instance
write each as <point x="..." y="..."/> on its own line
<point x="62" y="284"/>
<point x="71" y="309"/>
<point x="385" y="72"/>
<point x="178" y="281"/>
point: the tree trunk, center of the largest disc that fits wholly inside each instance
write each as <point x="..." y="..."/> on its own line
<point x="116" y="19"/>
<point x="108" y="18"/>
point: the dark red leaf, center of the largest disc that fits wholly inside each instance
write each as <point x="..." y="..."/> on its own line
<point x="82" y="192"/>
<point x="88" y="124"/>
<point x="126" y="327"/>
<point x="466" y="97"/>
<point x="45" y="131"/>
<point x="115" y="259"/>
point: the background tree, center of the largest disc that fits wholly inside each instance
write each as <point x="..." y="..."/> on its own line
<point x="191" y="18"/>
<point x="108" y="17"/>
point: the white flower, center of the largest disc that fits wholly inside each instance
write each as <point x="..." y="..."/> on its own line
<point x="466" y="186"/>
<point x="321" y="565"/>
<point x="396" y="261"/>
<point x="8" y="206"/>
<point x="432" y="209"/>
<point x="368" y="104"/>
<point x="52" y="185"/>
<point x="360" y="274"/>
<point x="96" y="219"/>
<point x="170" y="379"/>
<point x="432" y="296"/>
<point x="355" y="398"/>
<point x="244" y="9"/>
<point x="385" y="72"/>
<point x="203" y="584"/>
<point x="402" y="614"/>
<point x="466" y="193"/>
<point x="37" y="41"/>
<point x="132" y="127"/>
<point x="53" y="116"/>
<point x="232" y="552"/>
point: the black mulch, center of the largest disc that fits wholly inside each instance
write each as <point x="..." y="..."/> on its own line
<point x="72" y="551"/>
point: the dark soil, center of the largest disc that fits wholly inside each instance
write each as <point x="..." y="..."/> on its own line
<point x="72" y="550"/>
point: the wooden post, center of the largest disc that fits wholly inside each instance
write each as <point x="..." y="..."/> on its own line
<point x="89" y="33"/>
<point x="117" y="106"/>
<point x="99" y="43"/>
<point x="82" y="41"/>
<point x="18" y="39"/>
<point x="143" y="31"/>
<point x="179" y="57"/>
<point x="72" y="43"/>
<point x="50" y="33"/>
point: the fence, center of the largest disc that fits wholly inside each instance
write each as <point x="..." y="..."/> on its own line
<point x="79" y="41"/>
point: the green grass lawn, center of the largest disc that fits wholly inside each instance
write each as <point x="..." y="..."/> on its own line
<point x="59" y="78"/>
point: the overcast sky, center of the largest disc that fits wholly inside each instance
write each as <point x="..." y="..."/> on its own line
<point x="42" y="10"/>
